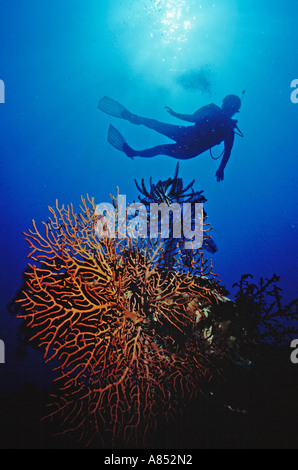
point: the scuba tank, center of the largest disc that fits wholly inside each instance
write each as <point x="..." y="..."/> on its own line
<point x="239" y="132"/>
<point x="236" y="127"/>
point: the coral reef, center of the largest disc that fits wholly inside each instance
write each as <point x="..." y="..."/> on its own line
<point x="172" y="191"/>
<point x="261" y="313"/>
<point x="129" y="337"/>
<point x="137" y="328"/>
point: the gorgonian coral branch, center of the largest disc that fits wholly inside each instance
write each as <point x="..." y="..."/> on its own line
<point x="125" y="333"/>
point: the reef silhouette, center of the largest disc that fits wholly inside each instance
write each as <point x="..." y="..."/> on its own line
<point x="262" y="314"/>
<point x="172" y="191"/>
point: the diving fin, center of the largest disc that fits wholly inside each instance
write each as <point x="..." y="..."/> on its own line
<point x="112" y="107"/>
<point x="117" y="140"/>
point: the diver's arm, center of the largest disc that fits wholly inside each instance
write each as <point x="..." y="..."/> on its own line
<point x="183" y="117"/>
<point x="229" y="142"/>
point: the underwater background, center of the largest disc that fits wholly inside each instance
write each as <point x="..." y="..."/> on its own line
<point x="59" y="58"/>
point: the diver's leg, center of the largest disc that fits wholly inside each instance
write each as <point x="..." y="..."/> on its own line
<point x="170" y="150"/>
<point x="169" y="130"/>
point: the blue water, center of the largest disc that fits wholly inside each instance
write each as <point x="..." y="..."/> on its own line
<point x="59" y="58"/>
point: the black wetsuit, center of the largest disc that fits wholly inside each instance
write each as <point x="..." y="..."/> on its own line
<point x="211" y="127"/>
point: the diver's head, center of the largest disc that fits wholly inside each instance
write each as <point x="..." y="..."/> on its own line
<point x="231" y="105"/>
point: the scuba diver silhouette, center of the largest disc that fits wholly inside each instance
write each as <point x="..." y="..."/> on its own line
<point x="212" y="125"/>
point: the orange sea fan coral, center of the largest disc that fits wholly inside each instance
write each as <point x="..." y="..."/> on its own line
<point x="125" y="333"/>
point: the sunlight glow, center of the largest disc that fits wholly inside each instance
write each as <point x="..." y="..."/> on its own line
<point x="172" y="19"/>
<point x="168" y="37"/>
